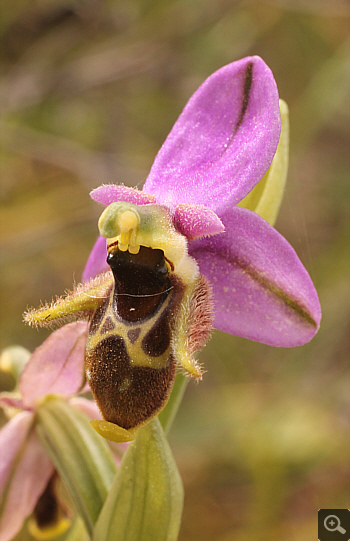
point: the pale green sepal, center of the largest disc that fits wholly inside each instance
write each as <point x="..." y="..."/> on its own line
<point x="82" y="458"/>
<point x="168" y="414"/>
<point x="266" y="198"/>
<point x="146" y="499"/>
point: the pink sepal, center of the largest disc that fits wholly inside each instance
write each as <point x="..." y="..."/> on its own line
<point x="57" y="366"/>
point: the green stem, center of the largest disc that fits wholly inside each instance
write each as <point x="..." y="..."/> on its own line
<point x="168" y="414"/>
<point x="146" y="499"/>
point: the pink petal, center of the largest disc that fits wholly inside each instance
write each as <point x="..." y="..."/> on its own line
<point x="261" y="289"/>
<point x="97" y="260"/>
<point x="111" y="193"/>
<point x="89" y="407"/>
<point x="32" y="472"/>
<point x="223" y="142"/>
<point x="11" y="400"/>
<point x="12" y="436"/>
<point x="196" y="221"/>
<point x="57" y="366"/>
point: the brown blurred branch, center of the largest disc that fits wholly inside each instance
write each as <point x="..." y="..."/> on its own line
<point x="91" y="167"/>
<point x="28" y="84"/>
<point x="327" y="8"/>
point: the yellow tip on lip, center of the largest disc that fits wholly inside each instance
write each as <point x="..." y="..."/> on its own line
<point x="113" y="432"/>
<point x="50" y="532"/>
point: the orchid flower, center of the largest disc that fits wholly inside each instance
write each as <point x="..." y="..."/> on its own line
<point x="218" y="150"/>
<point x="196" y="246"/>
<point x="27" y="473"/>
<point x="184" y="240"/>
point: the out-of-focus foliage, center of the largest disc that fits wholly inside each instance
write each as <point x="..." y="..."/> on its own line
<point x="89" y="90"/>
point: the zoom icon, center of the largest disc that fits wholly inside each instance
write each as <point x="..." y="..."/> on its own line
<point x="333" y="524"/>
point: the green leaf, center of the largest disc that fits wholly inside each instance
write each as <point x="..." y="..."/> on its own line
<point x="146" y="499"/>
<point x="82" y="458"/>
<point x="77" y="532"/>
<point x="266" y="198"/>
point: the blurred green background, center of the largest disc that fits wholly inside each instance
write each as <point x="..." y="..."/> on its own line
<point x="89" y="91"/>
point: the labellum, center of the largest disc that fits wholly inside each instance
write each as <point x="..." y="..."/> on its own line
<point x="50" y="516"/>
<point x="148" y="315"/>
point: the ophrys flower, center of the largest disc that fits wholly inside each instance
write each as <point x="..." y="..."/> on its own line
<point x="28" y="477"/>
<point x="183" y="239"/>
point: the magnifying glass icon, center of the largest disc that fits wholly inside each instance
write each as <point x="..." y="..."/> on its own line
<point x="332" y="524"/>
